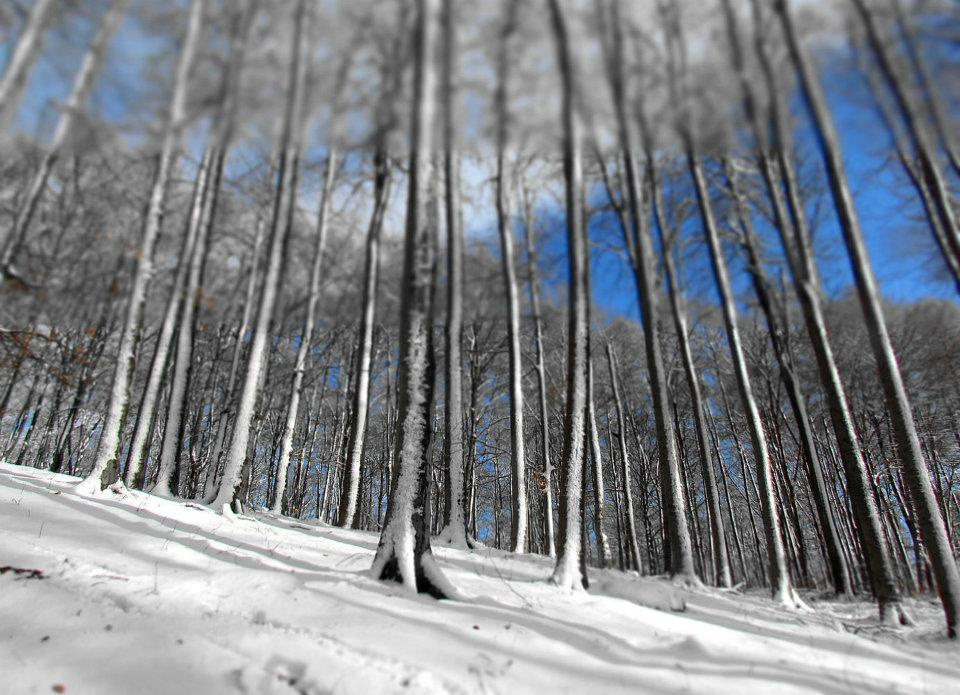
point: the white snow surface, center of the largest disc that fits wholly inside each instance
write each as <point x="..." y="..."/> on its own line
<point x="149" y="595"/>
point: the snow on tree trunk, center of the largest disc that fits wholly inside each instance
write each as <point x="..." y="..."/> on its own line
<point x="82" y="84"/>
<point x="403" y="554"/>
<point x="891" y="380"/>
<point x="599" y="496"/>
<point x="224" y="417"/>
<point x="105" y="470"/>
<point x="518" y="486"/>
<point x="534" y="282"/>
<point x="454" y="530"/>
<point x="283" y="209"/>
<point x="625" y="470"/>
<point x="167" y="477"/>
<point x="215" y="156"/>
<point x="306" y="337"/>
<point x="146" y="414"/>
<point x="567" y="573"/>
<point x="835" y="560"/>
<point x="350" y="487"/>
<point x="671" y="277"/>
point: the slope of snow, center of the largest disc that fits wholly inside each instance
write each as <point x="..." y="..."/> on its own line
<point x="147" y="595"/>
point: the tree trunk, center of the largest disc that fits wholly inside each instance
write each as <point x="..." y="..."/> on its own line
<point x="839" y="573"/>
<point x="454" y="530"/>
<point x="403" y="554"/>
<point x="146" y="414"/>
<point x="624" y="459"/>
<point x="534" y="281"/>
<point x="306" y="336"/>
<point x="599" y="496"/>
<point x="349" y="493"/>
<point x="568" y="574"/>
<point x="518" y="497"/>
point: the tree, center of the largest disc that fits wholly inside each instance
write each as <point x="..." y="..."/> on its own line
<point x="22" y="60"/>
<point x="570" y="571"/>
<point x="454" y="530"/>
<point x="518" y="480"/>
<point x="403" y="554"/>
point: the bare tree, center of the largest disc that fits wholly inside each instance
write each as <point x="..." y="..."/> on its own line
<point x="403" y="554"/>
<point x="570" y="570"/>
<point x="454" y="530"/>
<point x="905" y="431"/>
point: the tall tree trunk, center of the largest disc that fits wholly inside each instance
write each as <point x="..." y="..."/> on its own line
<point x="146" y="414"/>
<point x="624" y="458"/>
<point x="599" y="496"/>
<point x="568" y="573"/>
<point x="350" y="489"/>
<point x="534" y="283"/>
<point x="403" y="554"/>
<point x="721" y="560"/>
<point x="791" y="223"/>
<point x="503" y="183"/>
<point x="306" y="336"/>
<point x="105" y="470"/>
<point x="182" y="372"/>
<point x="839" y="573"/>
<point x="454" y="531"/>
<point x="891" y="380"/>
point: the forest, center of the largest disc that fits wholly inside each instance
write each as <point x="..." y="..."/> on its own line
<point x="639" y="298"/>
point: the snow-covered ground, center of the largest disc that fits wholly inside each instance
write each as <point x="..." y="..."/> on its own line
<point x="145" y="595"/>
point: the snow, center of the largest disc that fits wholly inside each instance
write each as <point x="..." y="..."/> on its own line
<point x="149" y="595"/>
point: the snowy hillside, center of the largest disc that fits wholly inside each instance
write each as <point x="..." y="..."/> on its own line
<point x="140" y="594"/>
